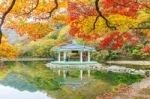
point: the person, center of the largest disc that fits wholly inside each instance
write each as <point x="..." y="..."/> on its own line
<point x="84" y="57"/>
<point x="66" y="58"/>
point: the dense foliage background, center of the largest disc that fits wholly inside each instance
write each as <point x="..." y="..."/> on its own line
<point x="118" y="29"/>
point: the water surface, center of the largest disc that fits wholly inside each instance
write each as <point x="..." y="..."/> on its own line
<point x="33" y="80"/>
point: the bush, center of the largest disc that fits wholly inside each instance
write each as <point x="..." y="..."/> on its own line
<point x="103" y="55"/>
<point x="40" y="48"/>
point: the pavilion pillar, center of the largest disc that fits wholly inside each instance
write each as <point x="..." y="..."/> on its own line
<point x="81" y="74"/>
<point x="81" y="54"/>
<point x="65" y="55"/>
<point x="89" y="57"/>
<point x="59" y="56"/>
<point x="89" y="73"/>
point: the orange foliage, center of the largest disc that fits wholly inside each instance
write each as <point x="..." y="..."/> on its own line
<point x="7" y="50"/>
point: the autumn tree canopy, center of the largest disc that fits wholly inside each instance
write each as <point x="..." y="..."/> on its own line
<point x="89" y="19"/>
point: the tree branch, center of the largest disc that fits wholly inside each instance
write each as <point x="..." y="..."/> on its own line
<point x="145" y="22"/>
<point x="55" y="7"/>
<point x="31" y="10"/>
<point x="94" y="25"/>
<point x="102" y="16"/>
<point x="4" y="16"/>
<point x="50" y="12"/>
<point x="140" y="28"/>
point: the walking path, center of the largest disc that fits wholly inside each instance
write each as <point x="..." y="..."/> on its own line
<point x="130" y="62"/>
<point x="139" y="90"/>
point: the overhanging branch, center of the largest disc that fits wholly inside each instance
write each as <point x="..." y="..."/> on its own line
<point x="102" y="16"/>
<point x="4" y="16"/>
<point x="51" y="11"/>
<point x="55" y="7"/>
<point x="140" y="28"/>
<point x="94" y="25"/>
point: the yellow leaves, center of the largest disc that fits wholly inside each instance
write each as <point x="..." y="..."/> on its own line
<point x="86" y="1"/>
<point x="21" y="6"/>
<point x="88" y="24"/>
<point x="63" y="3"/>
<point x="4" y="4"/>
<point x="44" y="7"/>
<point x="142" y="17"/>
<point x="63" y="32"/>
<point x="33" y="30"/>
<point x="143" y="20"/>
<point x="61" y="18"/>
<point x="123" y="23"/>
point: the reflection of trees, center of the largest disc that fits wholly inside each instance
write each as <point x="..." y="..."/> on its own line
<point x="37" y="74"/>
<point x="4" y="70"/>
<point x="30" y="76"/>
<point x="13" y="80"/>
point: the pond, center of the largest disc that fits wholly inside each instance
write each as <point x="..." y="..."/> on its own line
<point x="33" y="80"/>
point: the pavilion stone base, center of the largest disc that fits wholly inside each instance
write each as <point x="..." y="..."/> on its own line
<point x="97" y="66"/>
<point x="83" y="65"/>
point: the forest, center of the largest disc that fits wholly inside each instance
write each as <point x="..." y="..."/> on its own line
<point x="118" y="29"/>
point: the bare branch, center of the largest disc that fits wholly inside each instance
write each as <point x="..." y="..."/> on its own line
<point x="4" y="16"/>
<point x="94" y="25"/>
<point x="55" y="7"/>
<point x="50" y="12"/>
<point x="102" y="16"/>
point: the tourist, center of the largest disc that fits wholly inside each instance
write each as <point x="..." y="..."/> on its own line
<point x="66" y="58"/>
<point x="84" y="57"/>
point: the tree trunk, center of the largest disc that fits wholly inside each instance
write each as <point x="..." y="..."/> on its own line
<point x="0" y="36"/>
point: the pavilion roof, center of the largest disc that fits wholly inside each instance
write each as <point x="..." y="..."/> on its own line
<point x="74" y="46"/>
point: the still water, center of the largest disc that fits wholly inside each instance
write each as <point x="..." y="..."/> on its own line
<point x="7" y="92"/>
<point x="32" y="80"/>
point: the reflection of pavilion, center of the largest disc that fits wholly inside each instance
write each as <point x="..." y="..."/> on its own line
<point x="65" y="73"/>
<point x="64" y="77"/>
